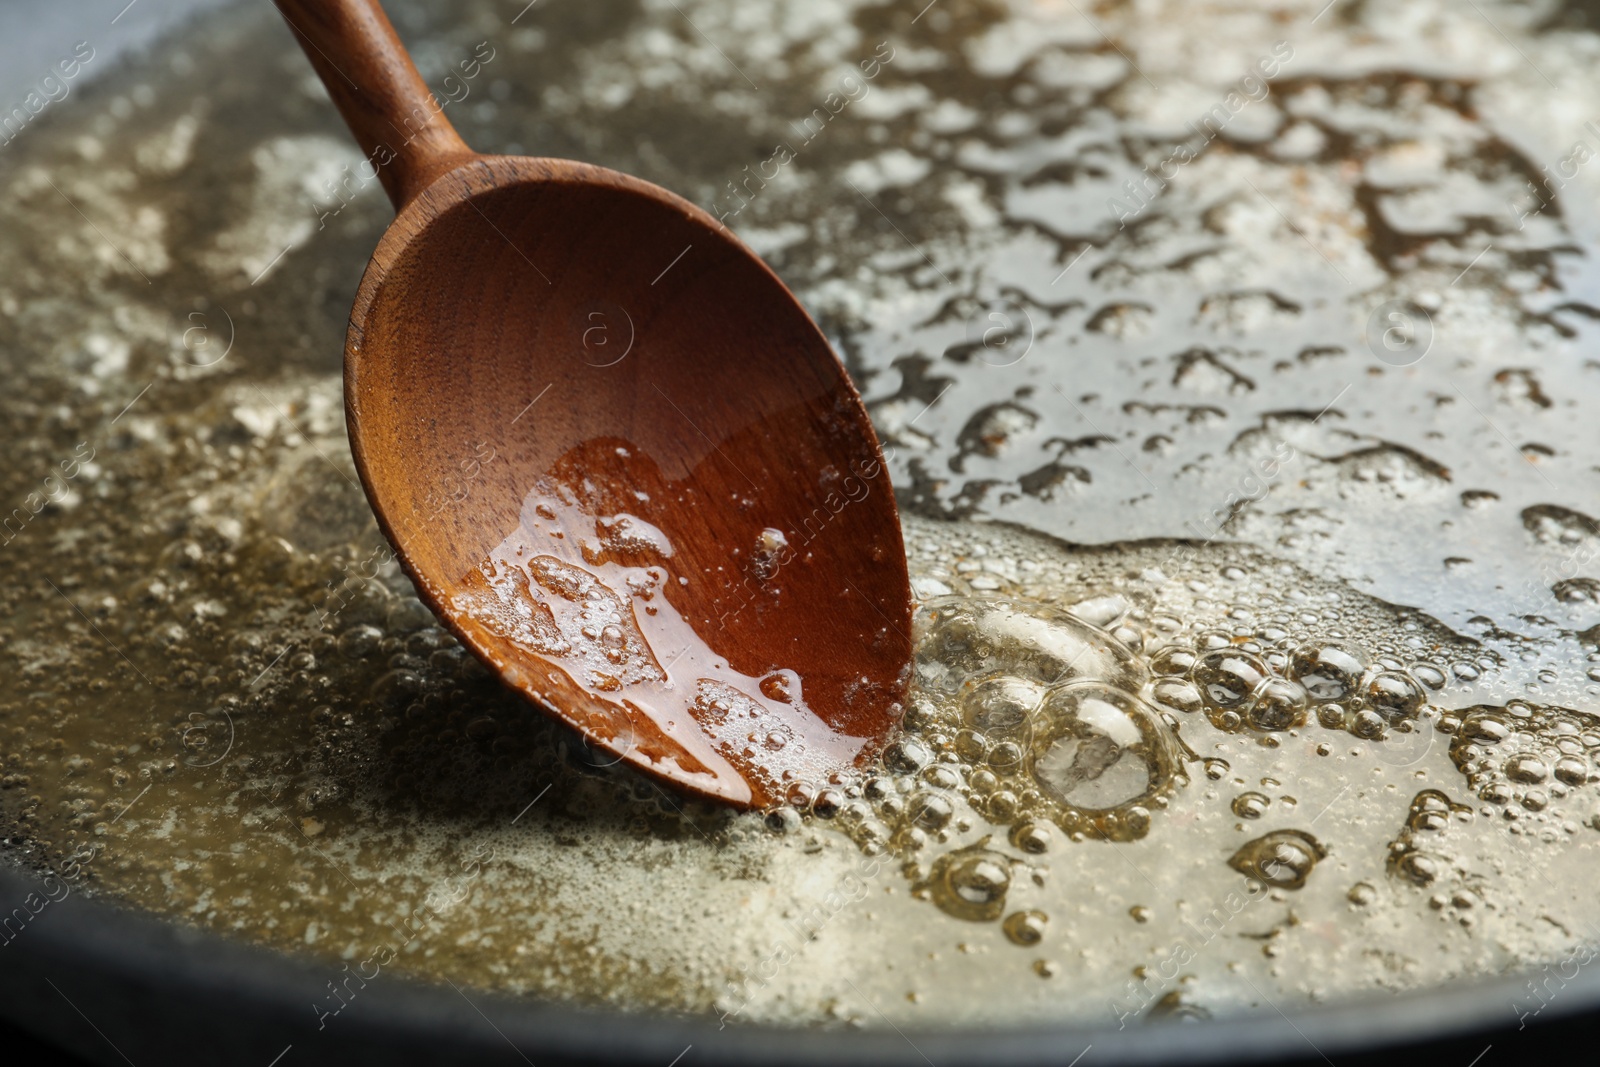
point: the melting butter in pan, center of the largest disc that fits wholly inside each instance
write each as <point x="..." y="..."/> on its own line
<point x="1140" y="778"/>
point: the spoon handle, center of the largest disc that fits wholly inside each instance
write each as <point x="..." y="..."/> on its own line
<point x="398" y="122"/>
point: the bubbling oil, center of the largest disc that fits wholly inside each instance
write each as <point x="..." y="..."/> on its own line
<point x="1102" y="745"/>
<point x="1138" y="779"/>
<point x="1199" y="709"/>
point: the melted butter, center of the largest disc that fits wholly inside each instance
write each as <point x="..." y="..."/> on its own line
<point x="240" y="713"/>
<point x="659" y="692"/>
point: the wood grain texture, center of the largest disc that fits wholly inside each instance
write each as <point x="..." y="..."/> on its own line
<point x="535" y="332"/>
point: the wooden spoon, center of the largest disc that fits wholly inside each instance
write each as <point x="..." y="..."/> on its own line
<point x="613" y="452"/>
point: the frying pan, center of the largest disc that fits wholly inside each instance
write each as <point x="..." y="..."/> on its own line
<point x="118" y="987"/>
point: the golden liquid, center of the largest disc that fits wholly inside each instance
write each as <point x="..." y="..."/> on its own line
<point x="1127" y="790"/>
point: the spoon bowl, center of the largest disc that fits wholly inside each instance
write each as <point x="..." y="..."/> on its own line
<point x="613" y="452"/>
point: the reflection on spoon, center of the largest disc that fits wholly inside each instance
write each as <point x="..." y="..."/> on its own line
<point x="586" y="590"/>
